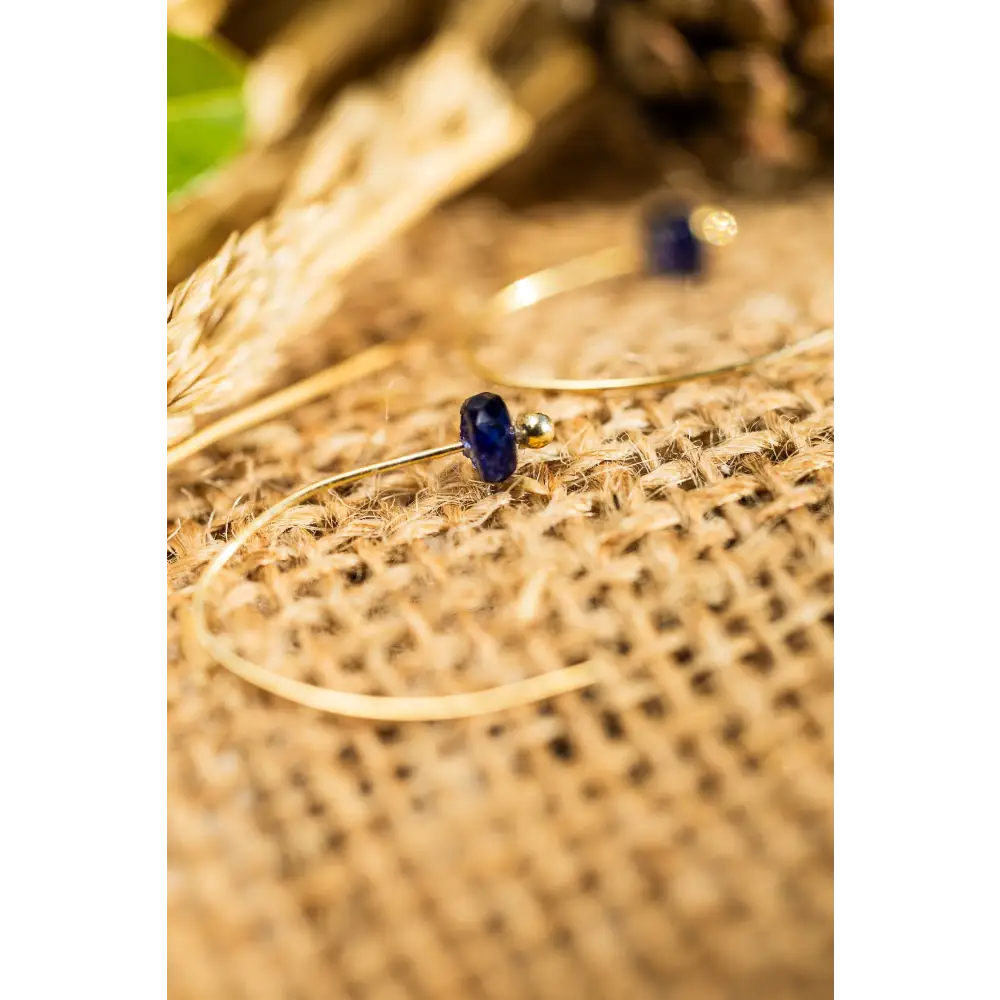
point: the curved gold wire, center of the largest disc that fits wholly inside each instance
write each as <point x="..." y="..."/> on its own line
<point x="362" y="706"/>
<point x="357" y="366"/>
<point x="611" y="262"/>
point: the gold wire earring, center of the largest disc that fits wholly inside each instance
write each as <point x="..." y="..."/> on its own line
<point x="489" y="439"/>
<point x="672" y="247"/>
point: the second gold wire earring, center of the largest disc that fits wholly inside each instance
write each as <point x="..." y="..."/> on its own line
<point x="672" y="245"/>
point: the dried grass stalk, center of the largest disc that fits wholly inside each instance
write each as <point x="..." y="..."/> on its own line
<point x="233" y="199"/>
<point x="386" y="155"/>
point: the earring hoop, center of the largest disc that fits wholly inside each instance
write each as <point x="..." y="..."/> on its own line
<point x="672" y="247"/>
<point x="581" y="272"/>
<point x="489" y="439"/>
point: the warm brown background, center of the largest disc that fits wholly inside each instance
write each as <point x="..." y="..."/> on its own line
<point x="667" y="833"/>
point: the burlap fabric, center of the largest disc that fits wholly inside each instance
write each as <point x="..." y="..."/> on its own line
<point x="667" y="833"/>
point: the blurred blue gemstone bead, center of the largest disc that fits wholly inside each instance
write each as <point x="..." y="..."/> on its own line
<point x="487" y="434"/>
<point x="671" y="246"/>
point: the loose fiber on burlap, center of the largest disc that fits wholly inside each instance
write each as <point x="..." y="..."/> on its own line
<point x="664" y="834"/>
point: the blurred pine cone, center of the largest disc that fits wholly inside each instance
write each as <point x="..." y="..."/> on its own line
<point x="747" y="85"/>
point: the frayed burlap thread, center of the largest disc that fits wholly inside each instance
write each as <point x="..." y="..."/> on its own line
<point x="666" y="833"/>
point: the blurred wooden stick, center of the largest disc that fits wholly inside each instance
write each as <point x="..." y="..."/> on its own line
<point x="320" y="44"/>
<point x="195" y="17"/>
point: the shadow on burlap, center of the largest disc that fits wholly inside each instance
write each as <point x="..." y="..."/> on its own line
<point x="667" y="833"/>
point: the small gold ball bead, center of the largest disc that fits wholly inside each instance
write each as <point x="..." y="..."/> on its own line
<point x="534" y="430"/>
<point x="714" y="225"/>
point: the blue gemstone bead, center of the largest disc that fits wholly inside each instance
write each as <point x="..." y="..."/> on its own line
<point x="671" y="246"/>
<point x="488" y="437"/>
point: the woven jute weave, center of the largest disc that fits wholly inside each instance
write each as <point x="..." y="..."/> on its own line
<point x="666" y="833"/>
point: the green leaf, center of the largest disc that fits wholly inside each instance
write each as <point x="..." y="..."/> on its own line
<point x="206" y="119"/>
